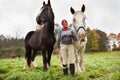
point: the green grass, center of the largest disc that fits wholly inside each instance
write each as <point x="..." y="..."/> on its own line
<point x="98" y="66"/>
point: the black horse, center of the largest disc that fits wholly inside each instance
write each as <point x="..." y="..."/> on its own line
<point x="43" y="39"/>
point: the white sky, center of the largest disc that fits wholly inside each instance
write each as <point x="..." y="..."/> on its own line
<point x="19" y="15"/>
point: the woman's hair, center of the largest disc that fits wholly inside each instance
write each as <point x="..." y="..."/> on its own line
<point x="64" y="21"/>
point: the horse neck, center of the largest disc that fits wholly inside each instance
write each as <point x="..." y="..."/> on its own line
<point x="50" y="27"/>
<point x="75" y="32"/>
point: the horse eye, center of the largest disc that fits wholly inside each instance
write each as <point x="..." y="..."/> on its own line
<point x="74" y="20"/>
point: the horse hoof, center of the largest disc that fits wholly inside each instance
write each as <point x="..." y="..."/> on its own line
<point x="34" y="64"/>
<point x="48" y="66"/>
<point x="25" y="67"/>
<point x="78" y="71"/>
<point x="82" y="69"/>
<point x="45" y="69"/>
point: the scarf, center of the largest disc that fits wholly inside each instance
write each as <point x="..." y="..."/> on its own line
<point x="65" y="28"/>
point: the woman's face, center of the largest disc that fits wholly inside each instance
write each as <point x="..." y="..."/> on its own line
<point x="64" y="23"/>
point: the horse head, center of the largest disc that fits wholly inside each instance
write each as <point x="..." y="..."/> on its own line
<point x="79" y="22"/>
<point x="46" y="14"/>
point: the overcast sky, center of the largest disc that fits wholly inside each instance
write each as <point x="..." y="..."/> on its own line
<point x="19" y="15"/>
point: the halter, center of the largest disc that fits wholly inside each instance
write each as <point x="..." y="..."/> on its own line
<point x="79" y="28"/>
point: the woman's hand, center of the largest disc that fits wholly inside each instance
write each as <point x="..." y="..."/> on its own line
<point x="57" y="50"/>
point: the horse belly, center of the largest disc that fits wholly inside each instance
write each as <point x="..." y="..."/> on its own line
<point x="34" y="43"/>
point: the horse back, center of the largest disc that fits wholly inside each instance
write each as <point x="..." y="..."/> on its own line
<point x="28" y="36"/>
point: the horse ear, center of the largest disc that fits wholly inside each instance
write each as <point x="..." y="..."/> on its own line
<point x="43" y="3"/>
<point x="83" y="8"/>
<point x="49" y="2"/>
<point x="72" y="10"/>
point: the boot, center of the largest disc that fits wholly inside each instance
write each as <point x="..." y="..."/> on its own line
<point x="65" y="70"/>
<point x="72" y="69"/>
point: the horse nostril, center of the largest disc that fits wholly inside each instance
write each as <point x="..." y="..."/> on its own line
<point x="42" y="18"/>
<point x="82" y="40"/>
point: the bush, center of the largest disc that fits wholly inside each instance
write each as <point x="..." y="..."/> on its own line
<point x="116" y="49"/>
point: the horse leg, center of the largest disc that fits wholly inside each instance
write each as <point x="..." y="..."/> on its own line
<point x="78" y="69"/>
<point x="44" y="60"/>
<point x="82" y="63"/>
<point x="28" y="57"/>
<point x="77" y="66"/>
<point x="34" y="64"/>
<point x="76" y="62"/>
<point x="49" y="57"/>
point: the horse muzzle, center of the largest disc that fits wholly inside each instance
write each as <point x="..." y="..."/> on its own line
<point x="82" y="37"/>
<point x="82" y="40"/>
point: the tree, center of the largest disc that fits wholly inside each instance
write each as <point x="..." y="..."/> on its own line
<point x="57" y="28"/>
<point x="17" y="33"/>
<point x="102" y="40"/>
<point x="92" y="43"/>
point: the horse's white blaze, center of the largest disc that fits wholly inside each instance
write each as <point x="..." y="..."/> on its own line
<point x="41" y="10"/>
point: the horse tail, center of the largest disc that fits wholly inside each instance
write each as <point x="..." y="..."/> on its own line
<point x="28" y="48"/>
<point x="28" y="36"/>
<point x="28" y="55"/>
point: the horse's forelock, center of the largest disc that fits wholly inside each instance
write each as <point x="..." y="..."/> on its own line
<point x="48" y="8"/>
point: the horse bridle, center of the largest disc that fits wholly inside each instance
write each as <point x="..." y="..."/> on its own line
<point x="79" y="29"/>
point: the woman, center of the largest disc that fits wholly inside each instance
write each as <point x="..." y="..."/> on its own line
<point x="65" y="45"/>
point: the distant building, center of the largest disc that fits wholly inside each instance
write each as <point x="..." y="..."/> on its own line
<point x="112" y="41"/>
<point x="118" y="39"/>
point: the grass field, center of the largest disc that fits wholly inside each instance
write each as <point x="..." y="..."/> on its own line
<point x="99" y="66"/>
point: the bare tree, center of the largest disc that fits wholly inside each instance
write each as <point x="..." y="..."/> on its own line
<point x="17" y="33"/>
